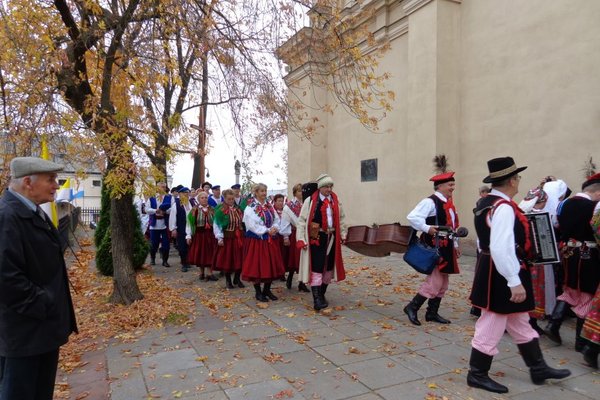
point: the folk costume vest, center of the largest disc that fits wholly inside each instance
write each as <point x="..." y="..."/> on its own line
<point x="165" y="205"/>
<point x="582" y="267"/>
<point x="181" y="217"/>
<point x="201" y="219"/>
<point x="448" y="264"/>
<point x="490" y="289"/>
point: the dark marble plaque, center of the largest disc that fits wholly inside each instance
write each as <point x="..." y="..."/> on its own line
<point x="368" y="170"/>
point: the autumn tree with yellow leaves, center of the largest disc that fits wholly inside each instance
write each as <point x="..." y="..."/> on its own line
<point x="118" y="78"/>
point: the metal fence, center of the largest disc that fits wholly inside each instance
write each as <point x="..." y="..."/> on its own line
<point x="89" y="215"/>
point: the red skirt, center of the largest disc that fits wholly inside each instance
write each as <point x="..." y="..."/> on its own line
<point x="230" y="256"/>
<point x="202" y="249"/>
<point x="591" y="327"/>
<point x="262" y="260"/>
<point x="284" y="250"/>
<point x="293" y="260"/>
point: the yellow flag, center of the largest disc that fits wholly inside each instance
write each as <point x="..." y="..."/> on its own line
<point x="49" y="208"/>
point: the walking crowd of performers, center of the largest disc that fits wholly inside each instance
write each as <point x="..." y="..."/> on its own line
<point x="251" y="238"/>
<point x="259" y="240"/>
<point x="511" y="293"/>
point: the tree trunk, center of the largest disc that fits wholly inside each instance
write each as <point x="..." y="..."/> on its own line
<point x="125" y="288"/>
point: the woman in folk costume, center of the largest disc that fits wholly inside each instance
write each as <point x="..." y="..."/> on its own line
<point x="581" y="260"/>
<point x="591" y="327"/>
<point x="437" y="207"/>
<point x="321" y="230"/>
<point x="202" y="242"/>
<point x="262" y="257"/>
<point x="291" y="212"/>
<point x="285" y="229"/>
<point x="534" y="202"/>
<point x="228" y="230"/>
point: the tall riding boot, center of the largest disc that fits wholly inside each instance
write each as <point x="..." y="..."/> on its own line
<point x="479" y="366"/>
<point x="237" y="281"/>
<point x="165" y="258"/>
<point x="590" y="354"/>
<point x="552" y="330"/>
<point x="267" y="291"/>
<point x="316" y="293"/>
<point x="412" y="308"/>
<point x="538" y="369"/>
<point x="228" y="283"/>
<point x="579" y="341"/>
<point x="152" y="258"/>
<point x="288" y="281"/>
<point x="433" y="305"/>
<point x="259" y="295"/>
<point x="323" y="290"/>
<point x="535" y="326"/>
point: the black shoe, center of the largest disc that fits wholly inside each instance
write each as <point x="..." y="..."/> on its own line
<point x="479" y="366"/>
<point x="433" y="305"/>
<point x="590" y="354"/>
<point x="412" y="308"/>
<point x="202" y="278"/>
<point x="237" y="281"/>
<point x="259" y="295"/>
<point x="228" y="283"/>
<point x="185" y="268"/>
<point x="302" y="287"/>
<point x="290" y="277"/>
<point x="538" y="369"/>
<point x="267" y="292"/>
<point x="153" y="261"/>
<point x="165" y="258"/>
<point x="211" y="278"/>
<point x="552" y="330"/>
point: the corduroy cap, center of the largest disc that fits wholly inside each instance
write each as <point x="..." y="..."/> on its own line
<point x="25" y="166"/>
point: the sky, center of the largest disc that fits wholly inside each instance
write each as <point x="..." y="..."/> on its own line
<point x="221" y="159"/>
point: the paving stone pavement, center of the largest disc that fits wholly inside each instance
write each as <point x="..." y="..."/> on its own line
<point x="364" y="350"/>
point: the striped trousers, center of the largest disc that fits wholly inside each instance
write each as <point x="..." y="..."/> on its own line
<point x="490" y="327"/>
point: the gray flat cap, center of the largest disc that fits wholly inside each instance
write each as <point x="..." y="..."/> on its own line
<point x="24" y="166"/>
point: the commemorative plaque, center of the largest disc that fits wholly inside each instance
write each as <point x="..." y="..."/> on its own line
<point x="543" y="239"/>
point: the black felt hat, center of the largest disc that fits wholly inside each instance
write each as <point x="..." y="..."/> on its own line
<point x="501" y="168"/>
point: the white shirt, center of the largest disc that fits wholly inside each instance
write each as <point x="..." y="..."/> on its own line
<point x="329" y="210"/>
<point x="160" y="223"/>
<point x="426" y="209"/>
<point x="502" y="241"/>
<point x="288" y="215"/>
<point x="255" y="224"/>
<point x="173" y="218"/>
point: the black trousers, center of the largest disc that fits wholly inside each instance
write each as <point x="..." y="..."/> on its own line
<point x="29" y="378"/>
<point x="319" y="259"/>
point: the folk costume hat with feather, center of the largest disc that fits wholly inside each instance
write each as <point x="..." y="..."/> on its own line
<point x="590" y="174"/>
<point x="440" y="162"/>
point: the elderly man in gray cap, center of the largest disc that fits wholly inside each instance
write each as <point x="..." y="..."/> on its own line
<point x="36" y="310"/>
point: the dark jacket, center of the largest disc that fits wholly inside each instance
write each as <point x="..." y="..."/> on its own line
<point x="36" y="310"/>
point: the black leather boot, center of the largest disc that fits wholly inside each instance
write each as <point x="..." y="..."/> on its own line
<point x="152" y="259"/>
<point x="433" y="305"/>
<point x="323" y="290"/>
<point x="538" y="369"/>
<point x="535" y="326"/>
<point x="228" y="283"/>
<point x="479" y="366"/>
<point x="552" y="330"/>
<point x="302" y="287"/>
<point x="316" y="293"/>
<point x="412" y="308"/>
<point x="267" y="292"/>
<point x="288" y="281"/>
<point x="237" y="281"/>
<point x="590" y="354"/>
<point x="259" y="294"/>
<point x="165" y="258"/>
<point x="579" y="341"/>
